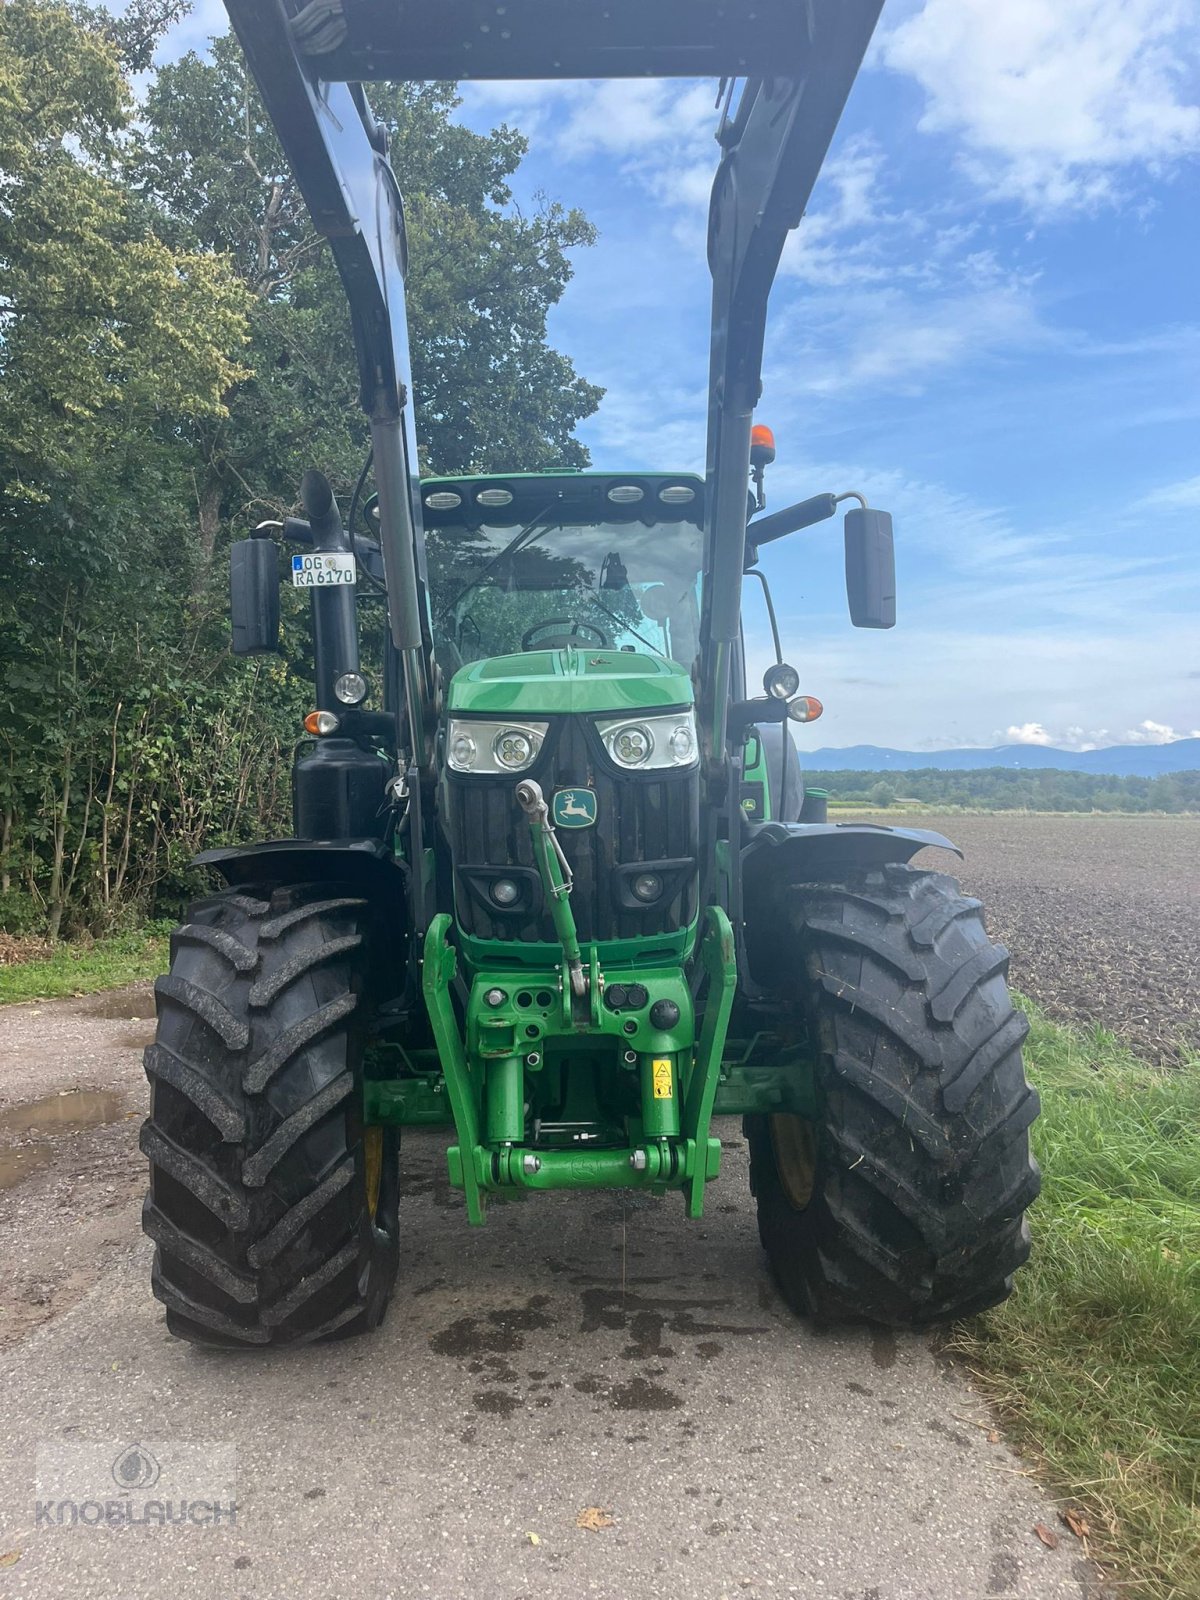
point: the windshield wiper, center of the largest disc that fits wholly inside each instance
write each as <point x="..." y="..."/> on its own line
<point x="625" y="626"/>
<point x="510" y="548"/>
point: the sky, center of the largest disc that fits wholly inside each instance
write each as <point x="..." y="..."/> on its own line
<point x="987" y="323"/>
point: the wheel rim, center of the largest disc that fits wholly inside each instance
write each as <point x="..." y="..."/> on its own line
<point x="373" y="1154"/>
<point x="794" y="1145"/>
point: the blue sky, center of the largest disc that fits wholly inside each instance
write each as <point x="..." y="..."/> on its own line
<point x="987" y="323"/>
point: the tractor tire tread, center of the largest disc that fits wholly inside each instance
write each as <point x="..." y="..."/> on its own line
<point x="258" y="1162"/>
<point x="923" y="1168"/>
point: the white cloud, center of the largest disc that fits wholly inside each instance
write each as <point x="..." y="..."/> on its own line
<point x="1182" y="496"/>
<point x="1078" y="738"/>
<point x="1148" y="732"/>
<point x="1027" y="733"/>
<point x="896" y="340"/>
<point x="636" y="116"/>
<point x="1054" y="99"/>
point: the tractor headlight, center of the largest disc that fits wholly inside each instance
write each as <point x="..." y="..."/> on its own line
<point x="642" y="744"/>
<point x="350" y="689"/>
<point x="493" y="747"/>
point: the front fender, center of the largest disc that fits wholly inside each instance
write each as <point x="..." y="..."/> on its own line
<point x="779" y="854"/>
<point x="364" y="865"/>
<point x="794" y="852"/>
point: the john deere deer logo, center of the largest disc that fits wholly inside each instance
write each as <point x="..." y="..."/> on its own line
<point x="574" y="808"/>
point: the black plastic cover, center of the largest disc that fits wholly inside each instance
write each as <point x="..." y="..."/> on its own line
<point x="338" y="791"/>
<point x="254" y="596"/>
<point x="414" y="39"/>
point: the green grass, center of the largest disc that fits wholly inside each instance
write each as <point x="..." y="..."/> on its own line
<point x="1095" y="1361"/>
<point x="72" y="968"/>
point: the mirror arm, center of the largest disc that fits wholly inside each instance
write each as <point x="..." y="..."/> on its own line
<point x="744" y="712"/>
<point x="753" y="572"/>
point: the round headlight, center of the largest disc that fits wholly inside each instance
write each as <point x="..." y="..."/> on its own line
<point x="781" y="681"/>
<point x="494" y="497"/>
<point x="631" y="746"/>
<point x="683" y="743"/>
<point x="512" y="749"/>
<point x="505" y="892"/>
<point x="647" y="886"/>
<point x="677" y="494"/>
<point x="462" y="752"/>
<point x="350" y="688"/>
<point x="626" y="494"/>
<point x="443" y="500"/>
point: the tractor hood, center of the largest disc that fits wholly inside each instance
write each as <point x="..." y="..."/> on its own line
<point x="551" y="682"/>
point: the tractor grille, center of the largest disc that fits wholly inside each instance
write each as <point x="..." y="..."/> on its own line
<point x="645" y="822"/>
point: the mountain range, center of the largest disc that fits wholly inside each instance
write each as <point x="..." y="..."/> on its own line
<point x="1118" y="760"/>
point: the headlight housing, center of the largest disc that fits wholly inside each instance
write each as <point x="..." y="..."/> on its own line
<point x="651" y="743"/>
<point x="492" y="747"/>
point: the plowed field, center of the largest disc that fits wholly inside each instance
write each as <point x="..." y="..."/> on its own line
<point x="1101" y="914"/>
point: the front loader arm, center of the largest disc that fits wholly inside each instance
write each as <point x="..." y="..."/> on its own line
<point x="774" y="146"/>
<point x="339" y="156"/>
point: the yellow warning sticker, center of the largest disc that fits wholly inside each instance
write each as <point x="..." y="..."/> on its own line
<point x="662" y="1078"/>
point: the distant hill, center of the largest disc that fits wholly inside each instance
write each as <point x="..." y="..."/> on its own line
<point x="1119" y="760"/>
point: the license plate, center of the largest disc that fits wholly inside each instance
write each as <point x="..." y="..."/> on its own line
<point x="323" y="567"/>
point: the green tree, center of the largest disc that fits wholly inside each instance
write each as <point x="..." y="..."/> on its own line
<point x="490" y="391"/>
<point x="111" y="336"/>
<point x="174" y="351"/>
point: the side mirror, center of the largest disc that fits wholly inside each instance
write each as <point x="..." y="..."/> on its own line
<point x="254" y="596"/>
<point x="870" y="568"/>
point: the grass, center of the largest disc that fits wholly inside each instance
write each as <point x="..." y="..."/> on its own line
<point x="1095" y="1361"/>
<point x="79" y="968"/>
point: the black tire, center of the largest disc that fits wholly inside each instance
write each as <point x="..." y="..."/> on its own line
<point x="272" y="1208"/>
<point x="917" y="1169"/>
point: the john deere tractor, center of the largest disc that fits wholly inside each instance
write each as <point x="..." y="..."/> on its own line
<point x="555" y="885"/>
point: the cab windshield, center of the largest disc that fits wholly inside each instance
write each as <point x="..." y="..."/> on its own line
<point x="608" y="585"/>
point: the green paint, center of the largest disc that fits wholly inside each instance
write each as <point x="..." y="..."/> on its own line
<point x="756" y="787"/>
<point x="719" y="957"/>
<point x="505" y="1102"/>
<point x="558" y="682"/>
<point x="440" y="965"/>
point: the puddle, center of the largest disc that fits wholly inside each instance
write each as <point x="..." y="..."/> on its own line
<point x="63" y="1113"/>
<point x="123" y="1005"/>
<point x="16" y="1165"/>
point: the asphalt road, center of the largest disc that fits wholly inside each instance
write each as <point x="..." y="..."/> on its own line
<point x="575" y="1353"/>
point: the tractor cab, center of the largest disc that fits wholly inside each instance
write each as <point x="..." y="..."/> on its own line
<point x="550" y="561"/>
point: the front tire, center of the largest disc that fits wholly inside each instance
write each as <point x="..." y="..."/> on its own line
<point x="903" y="1202"/>
<point x="272" y="1208"/>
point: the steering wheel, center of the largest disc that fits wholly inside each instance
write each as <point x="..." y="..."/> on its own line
<point x="577" y="632"/>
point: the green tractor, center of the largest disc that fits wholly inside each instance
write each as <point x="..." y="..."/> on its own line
<point x="555" y="884"/>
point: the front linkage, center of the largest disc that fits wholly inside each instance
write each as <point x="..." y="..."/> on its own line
<point x="519" y="1023"/>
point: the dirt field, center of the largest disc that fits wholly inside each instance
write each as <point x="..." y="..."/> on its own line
<point x="1101" y="914"/>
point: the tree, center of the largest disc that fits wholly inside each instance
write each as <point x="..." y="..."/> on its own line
<point x="111" y="335"/>
<point x="882" y="794"/>
<point x="490" y="392"/>
<point x="174" y="351"/>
